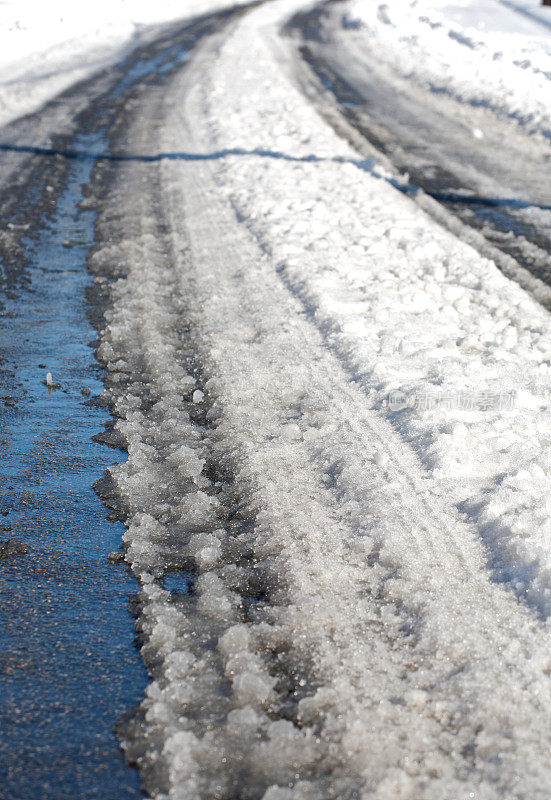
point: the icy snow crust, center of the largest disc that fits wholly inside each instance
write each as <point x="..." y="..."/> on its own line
<point x="482" y="52"/>
<point x="362" y="577"/>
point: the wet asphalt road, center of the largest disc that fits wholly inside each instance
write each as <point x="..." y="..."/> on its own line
<point x="69" y="668"/>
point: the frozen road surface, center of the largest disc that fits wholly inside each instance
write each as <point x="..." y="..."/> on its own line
<point x="314" y="242"/>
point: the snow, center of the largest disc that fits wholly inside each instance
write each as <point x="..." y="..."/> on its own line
<point x="47" y="47"/>
<point x="371" y="580"/>
<point x="494" y="53"/>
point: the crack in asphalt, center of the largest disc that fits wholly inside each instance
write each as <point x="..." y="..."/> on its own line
<point x="364" y="164"/>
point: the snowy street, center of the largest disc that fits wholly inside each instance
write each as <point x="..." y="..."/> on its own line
<point x="310" y="246"/>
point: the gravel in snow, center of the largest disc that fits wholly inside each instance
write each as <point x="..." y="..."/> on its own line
<point x="342" y="547"/>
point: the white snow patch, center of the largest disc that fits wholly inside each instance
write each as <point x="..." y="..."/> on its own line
<point x="483" y="52"/>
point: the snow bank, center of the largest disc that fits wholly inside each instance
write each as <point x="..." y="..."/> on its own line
<point x="483" y="52"/>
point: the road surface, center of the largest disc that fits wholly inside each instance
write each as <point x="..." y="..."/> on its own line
<point x="334" y="406"/>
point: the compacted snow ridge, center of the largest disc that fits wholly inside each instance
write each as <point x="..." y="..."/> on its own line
<point x="337" y="480"/>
